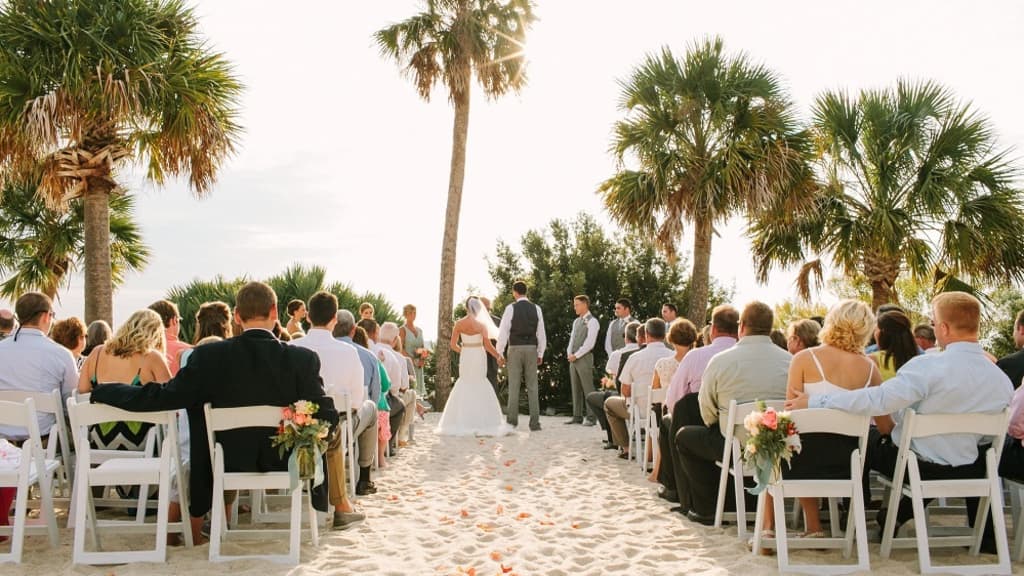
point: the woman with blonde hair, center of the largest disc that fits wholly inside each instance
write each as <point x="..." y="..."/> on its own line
<point x="834" y="367"/>
<point x="134" y="354"/>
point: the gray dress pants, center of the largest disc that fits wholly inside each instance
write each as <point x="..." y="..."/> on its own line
<point x="522" y="366"/>
<point x="581" y="377"/>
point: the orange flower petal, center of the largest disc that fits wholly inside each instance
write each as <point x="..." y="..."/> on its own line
<point x="575" y="524"/>
<point x="501" y="509"/>
<point x="546" y="523"/>
<point x="523" y="516"/>
<point x="496" y="556"/>
<point x="508" y="487"/>
<point x="464" y="513"/>
<point x="505" y="569"/>
<point x="471" y="571"/>
<point x="419" y="492"/>
<point x="392" y="498"/>
<point x="509" y="463"/>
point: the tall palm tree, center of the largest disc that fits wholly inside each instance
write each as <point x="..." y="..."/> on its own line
<point x="912" y="182"/>
<point x="704" y="138"/>
<point x="87" y="86"/>
<point x="452" y="41"/>
<point x="40" y="246"/>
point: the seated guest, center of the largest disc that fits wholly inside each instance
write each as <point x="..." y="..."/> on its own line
<point x="837" y="365"/>
<point x="345" y="330"/>
<point x="6" y="323"/>
<point x="97" y="333"/>
<point x="70" y="333"/>
<point x="1011" y="463"/>
<point x="681" y="405"/>
<point x="636" y="377"/>
<point x="394" y="368"/>
<point x="296" y="313"/>
<point x="342" y="374"/>
<point x="384" y="412"/>
<point x="895" y="343"/>
<point x="34" y="363"/>
<point x="1013" y="364"/>
<point x="778" y="338"/>
<point x="682" y="336"/>
<point x="135" y="354"/>
<point x="366" y="311"/>
<point x="753" y="369"/>
<point x="250" y="370"/>
<point x="961" y="380"/>
<point x="168" y="312"/>
<point x="802" y="334"/>
<point x="873" y="347"/>
<point x="212" y="319"/>
<point x="608" y="388"/>
<point x="924" y="336"/>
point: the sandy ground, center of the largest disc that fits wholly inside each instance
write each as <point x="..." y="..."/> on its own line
<point x="549" y="502"/>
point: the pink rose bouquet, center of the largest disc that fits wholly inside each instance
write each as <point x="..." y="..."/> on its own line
<point x="773" y="437"/>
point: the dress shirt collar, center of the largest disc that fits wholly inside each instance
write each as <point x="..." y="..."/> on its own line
<point x="25" y="331"/>
<point x="753" y="340"/>
<point x="971" y="347"/>
<point x="723" y="342"/>
<point x="521" y="298"/>
<point x="258" y="333"/>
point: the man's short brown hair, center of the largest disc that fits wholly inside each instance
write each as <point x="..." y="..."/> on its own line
<point x="960" y="310"/>
<point x="31" y="305"/>
<point x="583" y="298"/>
<point x="757" y="319"/>
<point x="254" y="301"/>
<point x="166" y="309"/>
<point x="369" y="325"/>
<point x="725" y="319"/>
<point x="322" y="308"/>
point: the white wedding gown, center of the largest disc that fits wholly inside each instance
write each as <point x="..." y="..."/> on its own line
<point x="473" y="408"/>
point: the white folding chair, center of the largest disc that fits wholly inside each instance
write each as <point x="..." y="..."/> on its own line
<point x="655" y="396"/>
<point x="129" y="470"/>
<point x="33" y="468"/>
<point x="987" y="488"/>
<point x="641" y="417"/>
<point x="834" y="422"/>
<point x="348" y="442"/>
<point x="1016" y="490"/>
<point x="57" y="446"/>
<point x="150" y="450"/>
<point x="218" y="420"/>
<point x="732" y="464"/>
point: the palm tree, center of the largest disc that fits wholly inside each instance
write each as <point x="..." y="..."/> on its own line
<point x="87" y="86"/>
<point x="40" y="246"/>
<point x="912" y="182"/>
<point x="704" y="138"/>
<point x="453" y="41"/>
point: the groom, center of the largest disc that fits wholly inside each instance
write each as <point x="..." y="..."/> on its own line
<point x="522" y="330"/>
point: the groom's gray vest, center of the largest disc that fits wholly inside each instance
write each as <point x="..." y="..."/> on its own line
<point x="523" y="331"/>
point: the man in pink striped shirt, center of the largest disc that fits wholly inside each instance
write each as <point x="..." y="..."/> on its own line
<point x="725" y="321"/>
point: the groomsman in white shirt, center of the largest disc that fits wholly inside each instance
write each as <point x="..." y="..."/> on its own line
<point x="615" y="339"/>
<point x="581" y="360"/>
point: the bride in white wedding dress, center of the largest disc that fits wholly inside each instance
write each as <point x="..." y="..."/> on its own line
<point x="473" y="408"/>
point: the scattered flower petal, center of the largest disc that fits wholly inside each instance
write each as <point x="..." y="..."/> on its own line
<point x="523" y="516"/>
<point x="464" y="513"/>
<point x="496" y="556"/>
<point x="501" y="509"/>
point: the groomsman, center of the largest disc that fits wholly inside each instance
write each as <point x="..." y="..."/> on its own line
<point x="522" y="330"/>
<point x="616" y="337"/>
<point x="581" y="360"/>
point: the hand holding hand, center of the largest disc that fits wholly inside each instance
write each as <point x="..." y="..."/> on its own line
<point x="798" y="402"/>
<point x="501" y="361"/>
<point x="540" y="361"/>
<point x="572" y="358"/>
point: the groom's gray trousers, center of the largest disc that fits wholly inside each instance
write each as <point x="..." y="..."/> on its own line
<point x="522" y="365"/>
<point x="581" y="378"/>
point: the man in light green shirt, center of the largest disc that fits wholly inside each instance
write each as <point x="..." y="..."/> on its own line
<point x="753" y="369"/>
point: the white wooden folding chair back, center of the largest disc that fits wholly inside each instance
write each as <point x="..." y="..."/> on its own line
<point x="988" y="489"/>
<point x="57" y="446"/>
<point x="834" y="422"/>
<point x="218" y="420"/>
<point x="130" y="470"/>
<point x="731" y="462"/>
<point x="100" y="455"/>
<point x="33" y="468"/>
<point x="656" y="396"/>
<point x="348" y="442"/>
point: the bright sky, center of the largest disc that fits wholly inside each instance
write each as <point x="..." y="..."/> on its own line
<point x="343" y="165"/>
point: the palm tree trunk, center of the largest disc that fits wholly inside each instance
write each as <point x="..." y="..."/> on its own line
<point x="881" y="272"/>
<point x="697" y="309"/>
<point x="98" y="283"/>
<point x="449" y="245"/>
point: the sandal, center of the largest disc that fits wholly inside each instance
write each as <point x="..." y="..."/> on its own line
<point x="818" y="534"/>
<point x="765" y="534"/>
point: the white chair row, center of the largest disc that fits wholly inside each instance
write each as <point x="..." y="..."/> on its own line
<point x="988" y="489"/>
<point x="35" y="468"/>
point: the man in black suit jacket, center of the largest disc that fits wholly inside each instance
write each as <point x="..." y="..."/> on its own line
<point x="249" y="370"/>
<point x="1013" y="364"/>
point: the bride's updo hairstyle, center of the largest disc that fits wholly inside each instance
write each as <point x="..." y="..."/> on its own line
<point x="848" y="326"/>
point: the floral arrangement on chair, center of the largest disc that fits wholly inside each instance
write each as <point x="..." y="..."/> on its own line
<point x="306" y="438"/>
<point x="773" y="438"/>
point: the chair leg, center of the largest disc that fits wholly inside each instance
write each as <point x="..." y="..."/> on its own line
<point x="1018" y="517"/>
<point x="217" y="514"/>
<point x="48" y="512"/>
<point x="758" y="524"/>
<point x="20" y="517"/>
<point x="833" y="517"/>
<point x="314" y="517"/>
<point x="296" y="525"/>
<point x="781" y="544"/>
